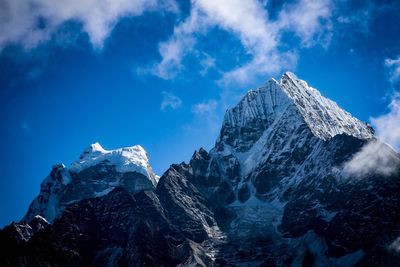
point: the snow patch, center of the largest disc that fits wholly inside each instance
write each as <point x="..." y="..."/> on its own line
<point x="104" y="192"/>
<point x="323" y="116"/>
<point x="41" y="218"/>
<point x="127" y="159"/>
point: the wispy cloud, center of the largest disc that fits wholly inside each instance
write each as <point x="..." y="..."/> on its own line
<point x="205" y="107"/>
<point x="170" y="101"/>
<point x="249" y="22"/>
<point x="387" y="126"/>
<point x="207" y="63"/>
<point x="374" y="158"/>
<point x="179" y="45"/>
<point x="358" y="19"/>
<point x="30" y="22"/>
<point x="394" y="68"/>
<point x="309" y="20"/>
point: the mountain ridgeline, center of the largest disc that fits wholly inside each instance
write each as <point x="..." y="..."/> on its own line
<point x="276" y="190"/>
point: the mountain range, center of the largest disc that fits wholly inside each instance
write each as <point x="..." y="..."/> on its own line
<point x="286" y="184"/>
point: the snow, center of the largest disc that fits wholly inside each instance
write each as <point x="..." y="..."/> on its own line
<point x="127" y="159"/>
<point x="268" y="124"/>
<point x="65" y="175"/>
<point x="270" y="102"/>
<point x="324" y="117"/>
<point x="267" y="102"/>
<point x="284" y="106"/>
<point x="157" y="178"/>
<point x="41" y="218"/>
<point x="58" y="190"/>
<point x="104" y="192"/>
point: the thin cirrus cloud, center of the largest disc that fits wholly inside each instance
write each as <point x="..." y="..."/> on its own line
<point x="31" y="22"/>
<point x="170" y="101"/>
<point x="249" y="22"/>
<point x="394" y="68"/>
<point x="205" y="107"/>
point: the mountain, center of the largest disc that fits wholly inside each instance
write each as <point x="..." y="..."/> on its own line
<point x="96" y="173"/>
<point x="284" y="186"/>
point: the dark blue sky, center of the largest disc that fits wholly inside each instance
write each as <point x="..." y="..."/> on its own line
<point x="161" y="74"/>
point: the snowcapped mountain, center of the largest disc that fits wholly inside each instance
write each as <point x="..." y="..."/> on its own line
<point x="274" y="191"/>
<point x="95" y="174"/>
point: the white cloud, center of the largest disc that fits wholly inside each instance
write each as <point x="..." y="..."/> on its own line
<point x="207" y="63"/>
<point x="307" y="18"/>
<point x="30" y="22"/>
<point x="249" y="22"/>
<point x="205" y="107"/>
<point x="387" y="126"/>
<point x="170" y="101"/>
<point x="374" y="158"/>
<point x="394" y="68"/>
<point x="261" y="64"/>
<point x="179" y="45"/>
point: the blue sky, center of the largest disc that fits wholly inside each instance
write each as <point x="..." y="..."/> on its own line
<point x="162" y="73"/>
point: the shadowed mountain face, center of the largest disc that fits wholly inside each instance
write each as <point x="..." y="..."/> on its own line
<point x="276" y="190"/>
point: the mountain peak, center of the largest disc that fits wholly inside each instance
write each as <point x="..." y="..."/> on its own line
<point x="96" y="147"/>
<point x="96" y="173"/>
<point x="290" y="99"/>
<point x="126" y="159"/>
<point x="288" y="75"/>
<point x="323" y="116"/>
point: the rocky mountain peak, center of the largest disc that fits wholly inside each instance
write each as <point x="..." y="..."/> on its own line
<point x="95" y="148"/>
<point x="96" y="173"/>
<point x="126" y="159"/>
<point x="322" y="115"/>
<point x="277" y="103"/>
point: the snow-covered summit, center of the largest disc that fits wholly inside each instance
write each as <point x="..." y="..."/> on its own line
<point x="126" y="159"/>
<point x="96" y="173"/>
<point x="289" y="100"/>
<point x="323" y="116"/>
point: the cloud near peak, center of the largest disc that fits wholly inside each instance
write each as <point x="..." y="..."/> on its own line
<point x="387" y="126"/>
<point x="374" y="158"/>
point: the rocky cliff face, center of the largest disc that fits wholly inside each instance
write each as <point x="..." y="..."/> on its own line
<point x="274" y="191"/>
